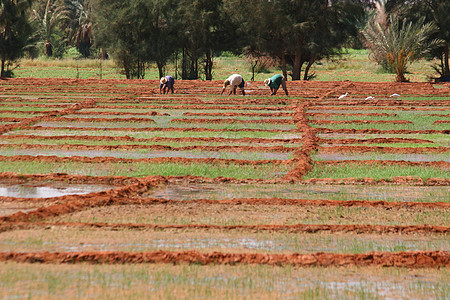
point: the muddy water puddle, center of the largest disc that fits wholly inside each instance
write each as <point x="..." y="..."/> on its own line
<point x="54" y="189"/>
<point x="297" y="191"/>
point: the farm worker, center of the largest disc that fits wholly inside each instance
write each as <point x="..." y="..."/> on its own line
<point x="274" y="83"/>
<point x="234" y="81"/>
<point x="166" y="83"/>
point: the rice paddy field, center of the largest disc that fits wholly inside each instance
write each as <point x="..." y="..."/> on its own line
<point x="109" y="189"/>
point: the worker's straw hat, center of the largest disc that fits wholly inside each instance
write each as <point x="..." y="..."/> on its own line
<point x="226" y="83"/>
<point x="163" y="80"/>
<point x="267" y="82"/>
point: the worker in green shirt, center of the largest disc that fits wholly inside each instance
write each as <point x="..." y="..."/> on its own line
<point x="274" y="83"/>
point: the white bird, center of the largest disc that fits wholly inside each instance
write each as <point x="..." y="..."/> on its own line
<point x="342" y="96"/>
<point x="394" y="95"/>
<point x="370" y="98"/>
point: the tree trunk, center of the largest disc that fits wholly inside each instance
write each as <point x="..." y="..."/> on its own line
<point x="400" y="77"/>
<point x="160" y="69"/>
<point x="310" y="63"/>
<point x="2" y="72"/>
<point x="283" y="65"/>
<point x="297" y="66"/>
<point x="209" y="65"/>
<point x="446" y="61"/>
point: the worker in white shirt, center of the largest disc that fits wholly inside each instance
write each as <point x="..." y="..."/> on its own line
<point x="234" y="81"/>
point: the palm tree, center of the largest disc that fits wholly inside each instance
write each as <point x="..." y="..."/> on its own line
<point x="400" y="42"/>
<point x="49" y="17"/>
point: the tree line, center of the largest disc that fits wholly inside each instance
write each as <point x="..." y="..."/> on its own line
<point x="293" y="33"/>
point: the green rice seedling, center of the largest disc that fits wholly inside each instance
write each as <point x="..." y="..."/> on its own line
<point x="246" y="214"/>
<point x="374" y="171"/>
<point x="266" y="171"/>
<point x="217" y="281"/>
<point x="216" y="240"/>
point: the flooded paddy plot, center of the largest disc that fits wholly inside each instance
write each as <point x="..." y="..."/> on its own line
<point x="144" y="153"/>
<point x="416" y="157"/>
<point x="65" y="239"/>
<point x="185" y="212"/>
<point x="239" y="281"/>
<point x="164" y="167"/>
<point x="396" y="193"/>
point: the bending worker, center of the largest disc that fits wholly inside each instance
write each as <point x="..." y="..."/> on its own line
<point x="274" y="83"/>
<point x="234" y="81"/>
<point x="166" y="83"/>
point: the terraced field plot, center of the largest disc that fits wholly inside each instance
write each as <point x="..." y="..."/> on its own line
<point x="299" y="196"/>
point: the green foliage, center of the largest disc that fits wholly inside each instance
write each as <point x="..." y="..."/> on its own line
<point x="136" y="32"/>
<point x="400" y="42"/>
<point x="15" y="33"/>
<point x="436" y="11"/>
<point x="295" y="32"/>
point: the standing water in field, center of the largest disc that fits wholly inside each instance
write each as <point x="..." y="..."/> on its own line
<point x="56" y="189"/>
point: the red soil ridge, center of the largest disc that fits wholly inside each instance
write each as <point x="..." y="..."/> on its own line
<point x="374" y="141"/>
<point x="379" y="131"/>
<point x="232" y="121"/>
<point x="153" y="139"/>
<point x="278" y="149"/>
<point x="365" y="149"/>
<point x="178" y="160"/>
<point x="320" y="122"/>
<point x="410" y="259"/>
<point x="297" y="228"/>
<point x="152" y="129"/>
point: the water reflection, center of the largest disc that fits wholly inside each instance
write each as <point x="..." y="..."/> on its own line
<point x="32" y="191"/>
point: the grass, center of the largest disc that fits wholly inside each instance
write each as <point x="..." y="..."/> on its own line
<point x="267" y="171"/>
<point x="374" y="171"/>
<point x="354" y="66"/>
<point x="41" y="281"/>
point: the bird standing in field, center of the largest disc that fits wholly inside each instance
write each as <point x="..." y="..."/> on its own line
<point x="342" y="96"/>
<point x="394" y="95"/>
<point x="370" y="98"/>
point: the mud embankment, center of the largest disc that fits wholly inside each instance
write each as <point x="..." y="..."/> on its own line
<point x="380" y="131"/>
<point x="232" y="121"/>
<point x="366" y="149"/>
<point x="375" y="141"/>
<point x="67" y="147"/>
<point x="400" y="108"/>
<point x="177" y="160"/>
<point x="47" y="117"/>
<point x="71" y="203"/>
<point x="296" y="228"/>
<point x="434" y="164"/>
<point x="322" y="122"/>
<point x="153" y="139"/>
<point x="411" y="259"/>
<point x="153" y="129"/>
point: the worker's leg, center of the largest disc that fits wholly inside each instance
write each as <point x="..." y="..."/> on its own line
<point x="283" y="84"/>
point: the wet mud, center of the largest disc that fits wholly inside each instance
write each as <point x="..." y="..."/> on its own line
<point x="67" y="147"/>
<point x="375" y="141"/>
<point x="411" y="259"/>
<point x="296" y="228"/>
